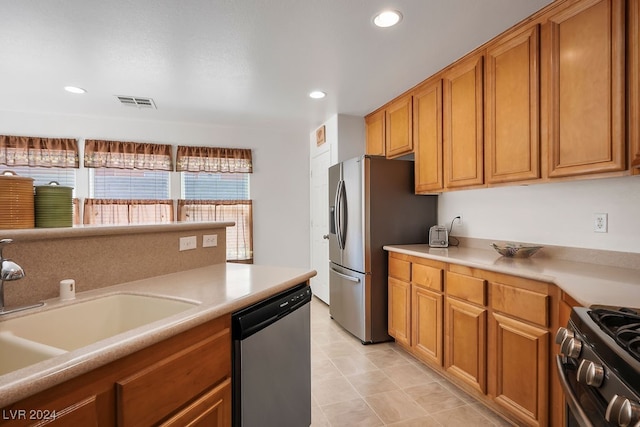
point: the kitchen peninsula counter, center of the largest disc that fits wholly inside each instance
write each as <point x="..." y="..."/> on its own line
<point x="216" y="290"/>
<point x="589" y="284"/>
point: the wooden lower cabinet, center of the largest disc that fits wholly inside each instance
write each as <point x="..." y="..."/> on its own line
<point x="466" y="343"/>
<point x="490" y="333"/>
<point x="520" y="368"/>
<point x="184" y="380"/>
<point x="399" y="317"/>
<point x="426" y="311"/>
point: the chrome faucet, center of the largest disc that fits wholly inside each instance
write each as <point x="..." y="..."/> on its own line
<point x="9" y="271"/>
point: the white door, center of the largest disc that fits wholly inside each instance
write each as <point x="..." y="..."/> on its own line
<point x="320" y="224"/>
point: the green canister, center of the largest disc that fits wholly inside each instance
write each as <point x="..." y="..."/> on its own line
<point x="53" y="205"/>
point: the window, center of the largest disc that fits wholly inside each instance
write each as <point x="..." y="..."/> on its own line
<point x="221" y="197"/>
<point x="129" y="184"/>
<point x="215" y="186"/>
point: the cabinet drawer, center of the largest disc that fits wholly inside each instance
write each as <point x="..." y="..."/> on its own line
<point x="521" y="303"/>
<point x="427" y="276"/>
<point x="400" y="269"/>
<point x="468" y="288"/>
<point x="163" y="387"/>
<point x="213" y="409"/>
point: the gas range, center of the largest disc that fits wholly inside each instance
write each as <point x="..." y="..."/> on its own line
<point x="599" y="366"/>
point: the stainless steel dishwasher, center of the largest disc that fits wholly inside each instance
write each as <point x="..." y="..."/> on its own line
<point x="272" y="361"/>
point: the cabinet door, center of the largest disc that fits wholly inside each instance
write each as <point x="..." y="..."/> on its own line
<point x="427" y="324"/>
<point x="462" y="124"/>
<point x="427" y="137"/>
<point x="143" y="397"/>
<point x="512" y="108"/>
<point x="400" y="311"/>
<point x="213" y="409"/>
<point x="399" y="134"/>
<point x="584" y="54"/>
<point x="466" y="347"/>
<point x="633" y="75"/>
<point x="375" y="133"/>
<point x="521" y="369"/>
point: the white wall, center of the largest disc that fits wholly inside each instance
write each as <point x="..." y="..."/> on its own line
<point x="559" y="214"/>
<point x="279" y="184"/>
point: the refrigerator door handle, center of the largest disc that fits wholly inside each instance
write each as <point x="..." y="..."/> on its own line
<point x="344" y="276"/>
<point x="343" y="215"/>
<point x="336" y="216"/>
<point x="338" y="213"/>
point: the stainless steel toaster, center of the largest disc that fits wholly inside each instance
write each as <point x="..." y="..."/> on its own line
<point x="438" y="236"/>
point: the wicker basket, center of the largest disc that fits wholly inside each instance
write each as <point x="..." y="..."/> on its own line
<point x="16" y="201"/>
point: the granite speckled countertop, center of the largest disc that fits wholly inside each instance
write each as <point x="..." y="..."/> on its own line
<point x="218" y="290"/>
<point x="589" y="284"/>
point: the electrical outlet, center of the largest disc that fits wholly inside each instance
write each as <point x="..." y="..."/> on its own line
<point x="459" y="216"/>
<point x="209" y="240"/>
<point x="188" y="243"/>
<point x="600" y="223"/>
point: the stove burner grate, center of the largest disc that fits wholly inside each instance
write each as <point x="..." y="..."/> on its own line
<point x="622" y="325"/>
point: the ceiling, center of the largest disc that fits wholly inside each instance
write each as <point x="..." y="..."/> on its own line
<point x="233" y="62"/>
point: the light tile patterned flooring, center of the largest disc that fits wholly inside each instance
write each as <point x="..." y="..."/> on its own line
<point x="381" y="384"/>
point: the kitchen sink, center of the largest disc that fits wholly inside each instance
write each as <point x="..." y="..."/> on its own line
<point x="16" y="352"/>
<point x="83" y="323"/>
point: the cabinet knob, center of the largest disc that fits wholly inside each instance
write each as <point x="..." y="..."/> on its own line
<point x="326" y="237"/>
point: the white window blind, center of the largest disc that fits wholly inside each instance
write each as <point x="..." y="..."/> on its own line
<point x="215" y="186"/>
<point x="43" y="176"/>
<point x="110" y="183"/>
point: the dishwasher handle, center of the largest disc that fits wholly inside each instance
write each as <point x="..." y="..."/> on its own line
<point x="255" y="318"/>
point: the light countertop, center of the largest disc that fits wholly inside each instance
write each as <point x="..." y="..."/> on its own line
<point x="218" y="290"/>
<point x="588" y="284"/>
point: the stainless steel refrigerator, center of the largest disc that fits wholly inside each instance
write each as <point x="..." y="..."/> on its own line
<point x="371" y="204"/>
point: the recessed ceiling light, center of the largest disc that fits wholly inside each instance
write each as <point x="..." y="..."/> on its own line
<point x="387" y="18"/>
<point x="74" y="89"/>
<point x="317" y="94"/>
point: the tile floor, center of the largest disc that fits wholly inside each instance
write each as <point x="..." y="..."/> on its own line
<point x="381" y="384"/>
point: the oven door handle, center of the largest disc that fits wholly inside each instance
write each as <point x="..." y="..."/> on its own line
<point x="570" y="396"/>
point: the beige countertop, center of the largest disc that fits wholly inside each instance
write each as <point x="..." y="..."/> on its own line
<point x="218" y="289"/>
<point x="587" y="283"/>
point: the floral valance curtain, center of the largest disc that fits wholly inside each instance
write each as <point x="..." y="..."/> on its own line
<point x="127" y="155"/>
<point x="213" y="160"/>
<point x="42" y="152"/>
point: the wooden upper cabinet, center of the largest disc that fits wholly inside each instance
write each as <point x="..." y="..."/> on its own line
<point x="633" y="76"/>
<point x="375" y="133"/>
<point x="512" y="108"/>
<point x="399" y="133"/>
<point x="463" y="123"/>
<point x="583" y="80"/>
<point x="427" y="137"/>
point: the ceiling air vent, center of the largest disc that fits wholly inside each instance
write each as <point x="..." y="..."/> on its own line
<point x="136" y="101"/>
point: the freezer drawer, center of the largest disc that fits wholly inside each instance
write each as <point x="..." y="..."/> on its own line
<point x="348" y="293"/>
